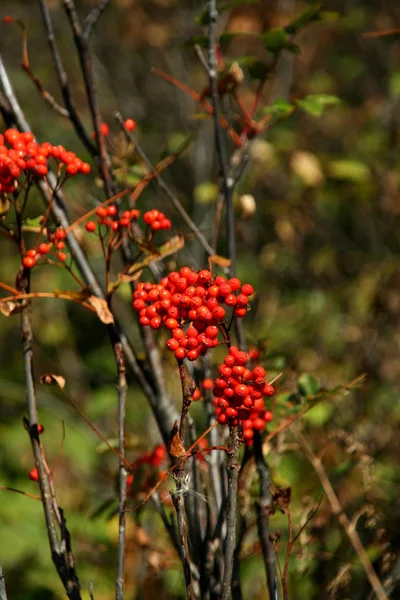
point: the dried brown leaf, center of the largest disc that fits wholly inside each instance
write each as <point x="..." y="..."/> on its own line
<point x="102" y="310"/>
<point x="10" y="308"/>
<point x="170" y="247"/>
<point x="176" y="447"/>
<point x="220" y="261"/>
<point x="51" y="379"/>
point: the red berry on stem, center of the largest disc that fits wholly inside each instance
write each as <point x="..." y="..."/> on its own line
<point x="90" y="226"/>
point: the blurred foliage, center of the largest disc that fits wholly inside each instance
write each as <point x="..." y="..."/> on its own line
<point x="322" y="251"/>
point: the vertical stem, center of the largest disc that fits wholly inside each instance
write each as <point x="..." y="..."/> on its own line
<point x="64" y="567"/>
<point x="3" y="593"/>
<point x="233" y="468"/>
<point x="122" y="390"/>
<point x="262" y="508"/>
<point x="227" y="182"/>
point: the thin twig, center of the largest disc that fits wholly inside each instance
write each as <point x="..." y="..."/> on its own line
<point x="233" y="468"/>
<point x="263" y="506"/>
<point x="66" y="573"/>
<point x="337" y="510"/>
<point x="92" y="18"/>
<point x="166" y="189"/>
<point x="122" y="390"/>
<point x="86" y="65"/>
<point x="63" y="80"/>
<point x="3" y="593"/>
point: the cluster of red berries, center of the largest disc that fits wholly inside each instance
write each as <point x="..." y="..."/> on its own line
<point x="110" y="218"/>
<point x="192" y="299"/>
<point x="57" y="238"/>
<point x="154" y="459"/>
<point x="157" y="220"/>
<point x="24" y="155"/>
<point x="239" y="394"/>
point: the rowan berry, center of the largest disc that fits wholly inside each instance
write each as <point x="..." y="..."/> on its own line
<point x="28" y="262"/>
<point x="130" y="124"/>
<point x="90" y="226"/>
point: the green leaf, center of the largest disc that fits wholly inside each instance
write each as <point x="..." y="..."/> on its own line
<point x="280" y="108"/>
<point x="316" y="103"/>
<point x="313" y="13"/>
<point x="197" y="40"/>
<point x="351" y="170"/>
<point x="204" y="19"/>
<point x="308" y="384"/>
<point x="275" y="39"/>
<point x="257" y="68"/>
<point x="320" y="414"/>
<point x="394" y="84"/>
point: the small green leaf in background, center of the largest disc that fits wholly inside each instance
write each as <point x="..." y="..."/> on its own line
<point x="394" y="84"/>
<point x="205" y="193"/>
<point x="280" y="108"/>
<point x="350" y="170"/>
<point x="276" y="40"/>
<point x="257" y="68"/>
<point x="315" y="104"/>
<point x="313" y="13"/>
<point x="320" y="414"/>
<point x="308" y="384"/>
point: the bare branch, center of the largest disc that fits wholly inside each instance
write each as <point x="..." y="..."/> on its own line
<point x="263" y="506"/>
<point x="338" y="511"/>
<point x="166" y="189"/>
<point x="90" y="22"/>
<point x="3" y="593"/>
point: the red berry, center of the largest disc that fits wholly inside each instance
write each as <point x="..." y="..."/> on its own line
<point x="90" y="226"/>
<point x="268" y="416"/>
<point x="180" y="353"/>
<point x="43" y="248"/>
<point x="40" y="428"/>
<point x="111" y="210"/>
<point x="28" y="262"/>
<point x="62" y="256"/>
<point x="268" y="390"/>
<point x="247" y="289"/>
<point x="207" y="384"/>
<point x="130" y="124"/>
<point x="34" y="475"/>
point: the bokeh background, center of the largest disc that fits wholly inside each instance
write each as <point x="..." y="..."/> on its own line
<point x="322" y="251"/>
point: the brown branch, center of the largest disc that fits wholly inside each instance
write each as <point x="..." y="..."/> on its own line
<point x="61" y="560"/>
<point x="3" y="593"/>
<point x="63" y="80"/>
<point x="263" y="508"/>
<point x="338" y="511"/>
<point x="90" y="22"/>
<point x="166" y="189"/>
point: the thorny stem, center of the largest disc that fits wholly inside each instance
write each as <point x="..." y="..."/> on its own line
<point x="341" y="515"/>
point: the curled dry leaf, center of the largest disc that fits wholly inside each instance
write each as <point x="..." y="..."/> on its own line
<point x="170" y="247"/>
<point x="102" y="310"/>
<point x="220" y="261"/>
<point x="53" y="380"/>
<point x="9" y="308"/>
<point x="176" y="447"/>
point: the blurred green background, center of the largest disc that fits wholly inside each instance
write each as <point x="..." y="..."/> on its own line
<point x="322" y="251"/>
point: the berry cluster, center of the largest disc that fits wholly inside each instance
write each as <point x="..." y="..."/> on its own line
<point x="24" y="155"/>
<point x="239" y="394"/>
<point x="192" y="299"/>
<point x="109" y="217"/>
<point x="157" y="220"/>
<point x="154" y="459"/>
<point x="57" y="238"/>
